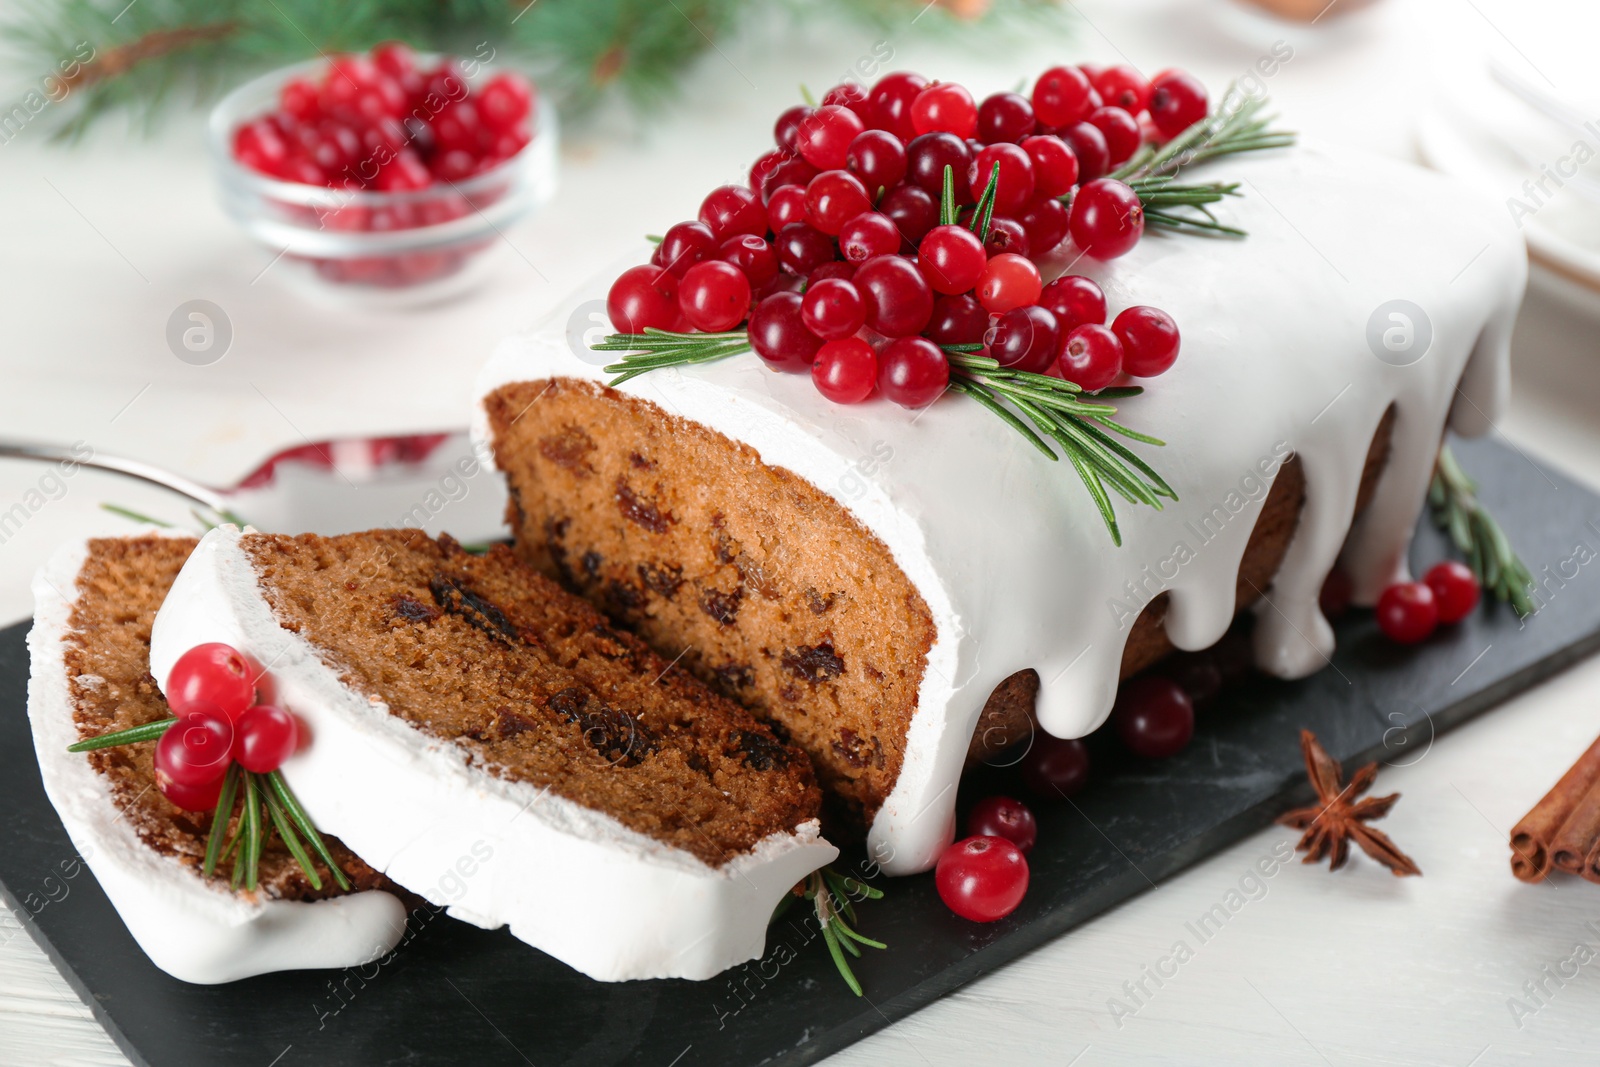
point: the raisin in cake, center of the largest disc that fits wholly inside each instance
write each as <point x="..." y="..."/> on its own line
<point x="90" y="652"/>
<point x="869" y="577"/>
<point x="478" y="728"/>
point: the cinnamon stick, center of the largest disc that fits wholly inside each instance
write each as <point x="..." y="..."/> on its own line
<point x="1591" y="864"/>
<point x="1579" y="834"/>
<point x="1532" y="838"/>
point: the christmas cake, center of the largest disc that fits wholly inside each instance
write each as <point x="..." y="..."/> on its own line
<point x="867" y="576"/>
<point x="473" y="721"/>
<point x="90" y="649"/>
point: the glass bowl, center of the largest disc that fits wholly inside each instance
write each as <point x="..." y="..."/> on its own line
<point x="408" y="247"/>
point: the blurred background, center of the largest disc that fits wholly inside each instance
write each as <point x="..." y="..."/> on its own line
<point x="115" y="224"/>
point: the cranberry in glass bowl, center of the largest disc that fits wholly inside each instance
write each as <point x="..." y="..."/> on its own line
<point x="396" y="194"/>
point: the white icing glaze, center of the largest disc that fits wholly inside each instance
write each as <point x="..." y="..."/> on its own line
<point x="1006" y="547"/>
<point x="192" y="930"/>
<point x="569" y="880"/>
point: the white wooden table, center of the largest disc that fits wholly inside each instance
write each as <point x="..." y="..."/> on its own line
<point x="103" y="241"/>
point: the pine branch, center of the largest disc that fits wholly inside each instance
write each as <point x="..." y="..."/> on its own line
<point x="1453" y="500"/>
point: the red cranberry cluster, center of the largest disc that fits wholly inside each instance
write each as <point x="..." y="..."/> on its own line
<point x="212" y="691"/>
<point x="836" y="256"/>
<point x="382" y="122"/>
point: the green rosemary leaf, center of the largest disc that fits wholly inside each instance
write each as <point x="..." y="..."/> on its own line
<point x="984" y="397"/>
<point x="1105" y="463"/>
<point x="947" y="197"/>
<point x="838" y="927"/>
<point x="805" y="94"/>
<point x="303" y="822"/>
<point x="250" y="855"/>
<point x="1202" y="227"/>
<point x="984" y="212"/>
<point x="959" y="350"/>
<point x="280" y="819"/>
<point x="1453" y="500"/>
<point x="1142" y="438"/>
<point x="150" y="731"/>
<point x="1128" y="456"/>
<point x="654" y="238"/>
<point x="136" y="516"/>
<point x="1119" y="392"/>
<point x="852" y="935"/>
<point x="220" y="819"/>
<point x="1097" y="492"/>
<point x="838" y="958"/>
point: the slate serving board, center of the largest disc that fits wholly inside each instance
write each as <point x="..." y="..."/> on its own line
<point x="455" y="994"/>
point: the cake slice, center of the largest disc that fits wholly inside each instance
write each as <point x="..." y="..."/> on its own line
<point x="871" y="577"/>
<point x="89" y="647"/>
<point x="489" y="741"/>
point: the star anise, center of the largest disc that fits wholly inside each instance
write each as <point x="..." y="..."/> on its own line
<point x="1337" y="818"/>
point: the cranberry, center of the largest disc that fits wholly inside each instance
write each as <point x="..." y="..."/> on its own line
<point x="1149" y="340"/>
<point x="1055" y="168"/>
<point x="912" y="211"/>
<point x="982" y="878"/>
<point x="1408" y="612"/>
<point x="1008" y="281"/>
<point x="848" y="94"/>
<point x="347" y="78"/>
<point x="1091" y="357"/>
<point x="795" y="171"/>
<point x="1055" y="766"/>
<point x="878" y="159"/>
<point x="714" y="296"/>
<point x="1455" y="590"/>
<point x="786" y="131"/>
<point x="832" y="308"/>
<point x="1121" y="131"/>
<point x="1061" y="96"/>
<point x="505" y="101"/>
<point x="643" y="297"/>
<point x="912" y="372"/>
<point x="752" y="255"/>
<point x="802" y="249"/>
<point x="1154" y="717"/>
<point x="899" y="301"/>
<point x="212" y="675"/>
<point x="889" y="103"/>
<point x="1014" y="191"/>
<point x="945" y="107"/>
<point x="731" y="209"/>
<point x="779" y="336"/>
<point x="951" y="258"/>
<point x="833" y="198"/>
<point x="259" y="146"/>
<point x="1025" y="338"/>
<point x="1088" y="144"/>
<point x="405" y="173"/>
<point x="202" y="797"/>
<point x="786" y="207"/>
<point x="197" y="748"/>
<point x="684" y="245"/>
<point x="1336" y="593"/>
<point x="834" y="268"/>
<point x="1004" y="817"/>
<point x="267" y="735"/>
<point x="1006" y="235"/>
<point x="1045" y="223"/>
<point x="1005" y="117"/>
<point x="298" y="98"/>
<point x="1121" y="87"/>
<point x="763" y="167"/>
<point x="869" y="234"/>
<point x="846" y="370"/>
<point x="1107" y="218"/>
<point x="458" y="126"/>
<point x="1076" y="300"/>
<point x="1177" y="101"/>
<point x="394" y="59"/>
<point x="926" y="160"/>
<point x="825" y="136"/>
<point x="957" y="320"/>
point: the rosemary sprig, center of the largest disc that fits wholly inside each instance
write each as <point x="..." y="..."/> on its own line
<point x="1236" y="126"/>
<point x="1076" y="422"/>
<point x="268" y="804"/>
<point x="829" y="893"/>
<point x="655" y="348"/>
<point x="150" y="731"/>
<point x="1453" y="500"/>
